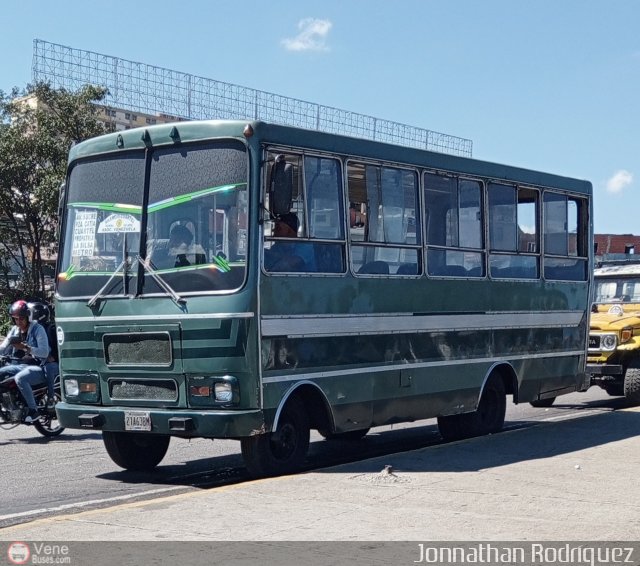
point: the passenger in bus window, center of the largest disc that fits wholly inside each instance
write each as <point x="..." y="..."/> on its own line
<point x="286" y="256"/>
<point x="180" y="251"/>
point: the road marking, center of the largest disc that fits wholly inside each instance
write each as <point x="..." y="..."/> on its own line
<point x="577" y="414"/>
<point x="81" y="504"/>
<point x="121" y="500"/>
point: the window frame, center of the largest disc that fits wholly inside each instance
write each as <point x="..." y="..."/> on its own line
<point x="369" y="268"/>
<point x="481" y="250"/>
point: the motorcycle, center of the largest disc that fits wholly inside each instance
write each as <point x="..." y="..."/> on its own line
<point x="13" y="408"/>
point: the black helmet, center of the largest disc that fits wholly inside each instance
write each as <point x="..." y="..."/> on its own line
<point x="19" y="309"/>
<point x="39" y="312"/>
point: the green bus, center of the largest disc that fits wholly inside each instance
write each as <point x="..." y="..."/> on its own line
<point x="253" y="281"/>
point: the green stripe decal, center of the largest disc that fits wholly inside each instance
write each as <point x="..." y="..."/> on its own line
<point x="110" y="206"/>
<point x="156" y="206"/>
<point x="173" y="201"/>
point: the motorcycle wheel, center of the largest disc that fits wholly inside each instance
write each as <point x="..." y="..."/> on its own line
<point x="48" y="425"/>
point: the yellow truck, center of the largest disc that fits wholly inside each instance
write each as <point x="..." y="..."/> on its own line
<point x="614" y="335"/>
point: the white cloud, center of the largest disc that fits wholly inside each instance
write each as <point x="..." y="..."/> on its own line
<point x="619" y="181"/>
<point x="312" y="36"/>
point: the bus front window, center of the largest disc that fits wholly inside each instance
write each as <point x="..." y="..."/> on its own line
<point x="197" y="218"/>
<point x="196" y="222"/>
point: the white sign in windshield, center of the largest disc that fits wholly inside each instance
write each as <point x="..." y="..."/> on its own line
<point x="84" y="231"/>
<point x="119" y="223"/>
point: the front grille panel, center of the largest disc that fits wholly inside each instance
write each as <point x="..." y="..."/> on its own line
<point x="135" y="349"/>
<point x="143" y="389"/>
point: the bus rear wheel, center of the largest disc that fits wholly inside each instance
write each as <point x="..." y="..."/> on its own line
<point x="282" y="451"/>
<point x="543" y="402"/>
<point x="488" y="418"/>
<point x="136" y="451"/>
<point x="350" y="435"/>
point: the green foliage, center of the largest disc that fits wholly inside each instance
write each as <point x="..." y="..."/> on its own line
<point x="38" y="126"/>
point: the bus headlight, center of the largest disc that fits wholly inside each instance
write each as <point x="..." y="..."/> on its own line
<point x="608" y="342"/>
<point x="71" y="388"/>
<point x="223" y="392"/>
<point x="81" y="389"/>
<point x="212" y="391"/>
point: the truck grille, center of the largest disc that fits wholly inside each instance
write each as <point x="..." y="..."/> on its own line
<point x="137" y="349"/>
<point x="143" y="389"/>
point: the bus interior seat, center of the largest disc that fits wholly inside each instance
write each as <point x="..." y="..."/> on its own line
<point x="374" y="268"/>
<point x="329" y="258"/>
<point x="454" y="271"/>
<point x="407" y="269"/>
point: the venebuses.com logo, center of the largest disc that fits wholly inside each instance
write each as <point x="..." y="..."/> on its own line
<point x="18" y="553"/>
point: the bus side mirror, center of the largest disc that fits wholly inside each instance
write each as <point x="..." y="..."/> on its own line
<point x="61" y="195"/>
<point x="281" y="188"/>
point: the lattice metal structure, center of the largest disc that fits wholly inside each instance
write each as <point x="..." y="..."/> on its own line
<point x="155" y="90"/>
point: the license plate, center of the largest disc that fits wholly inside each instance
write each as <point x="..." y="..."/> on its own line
<point x="137" y="420"/>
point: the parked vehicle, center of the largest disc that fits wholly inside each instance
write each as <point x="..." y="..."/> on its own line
<point x="614" y="336"/>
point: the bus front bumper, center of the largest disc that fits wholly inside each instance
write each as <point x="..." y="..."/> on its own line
<point x="185" y="423"/>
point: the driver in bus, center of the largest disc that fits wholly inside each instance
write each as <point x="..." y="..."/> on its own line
<point x="285" y="255"/>
<point x="180" y="250"/>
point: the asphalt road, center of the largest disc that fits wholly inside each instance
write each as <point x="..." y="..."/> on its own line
<point x="41" y="477"/>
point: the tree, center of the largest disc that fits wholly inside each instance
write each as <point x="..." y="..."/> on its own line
<point x="38" y="126"/>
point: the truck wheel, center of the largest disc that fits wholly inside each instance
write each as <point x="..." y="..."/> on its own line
<point x="282" y="451"/>
<point x="632" y="382"/>
<point x="136" y="451"/>
<point x="488" y="418"/>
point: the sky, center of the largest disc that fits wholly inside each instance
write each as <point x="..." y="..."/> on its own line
<point x="550" y="85"/>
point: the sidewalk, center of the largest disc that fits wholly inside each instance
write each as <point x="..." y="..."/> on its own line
<point x="564" y="480"/>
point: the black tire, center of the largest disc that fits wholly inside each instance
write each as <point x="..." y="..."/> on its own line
<point x="632" y="382"/>
<point x="48" y="425"/>
<point x="134" y="450"/>
<point x="488" y="418"/>
<point x="350" y="435"/>
<point x="451" y="427"/>
<point x="283" y="451"/>
<point x="543" y="402"/>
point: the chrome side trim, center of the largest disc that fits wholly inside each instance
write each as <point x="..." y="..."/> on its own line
<point x="307" y="326"/>
<point x="409" y="366"/>
<point x="154" y="317"/>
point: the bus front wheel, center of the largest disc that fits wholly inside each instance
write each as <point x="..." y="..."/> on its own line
<point x="488" y="418"/>
<point x="282" y="451"/>
<point x="135" y="451"/>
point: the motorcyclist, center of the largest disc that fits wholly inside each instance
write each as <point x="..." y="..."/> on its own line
<point x="28" y="346"/>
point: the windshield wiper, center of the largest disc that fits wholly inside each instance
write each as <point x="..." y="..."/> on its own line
<point x="124" y="265"/>
<point x="146" y="265"/>
<point x="93" y="300"/>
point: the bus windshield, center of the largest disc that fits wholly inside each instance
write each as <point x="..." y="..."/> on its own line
<point x="195" y="222"/>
